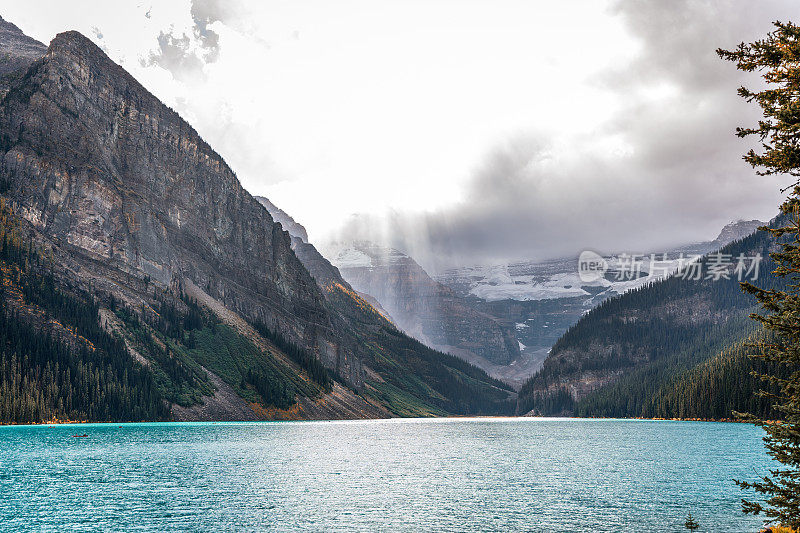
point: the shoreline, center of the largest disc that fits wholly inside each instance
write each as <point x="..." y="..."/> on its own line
<point x="54" y="423"/>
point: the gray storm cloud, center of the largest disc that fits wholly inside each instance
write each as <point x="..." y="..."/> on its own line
<point x="679" y="179"/>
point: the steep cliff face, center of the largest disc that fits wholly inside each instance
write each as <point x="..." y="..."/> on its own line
<point x="320" y="268"/>
<point x="422" y="307"/>
<point x="95" y="161"/>
<point x="328" y="276"/>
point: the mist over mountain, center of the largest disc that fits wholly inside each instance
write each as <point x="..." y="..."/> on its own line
<point x="632" y="150"/>
<point x="545" y="298"/>
<point x="665" y="171"/>
<point x="422" y="307"/>
<point x="398" y="288"/>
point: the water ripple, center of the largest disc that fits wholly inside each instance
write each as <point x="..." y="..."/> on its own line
<point x="444" y="475"/>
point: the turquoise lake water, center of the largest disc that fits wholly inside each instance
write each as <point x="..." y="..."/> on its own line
<point x="388" y="475"/>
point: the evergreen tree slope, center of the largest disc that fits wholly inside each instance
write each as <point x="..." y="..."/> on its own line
<point x="57" y="361"/>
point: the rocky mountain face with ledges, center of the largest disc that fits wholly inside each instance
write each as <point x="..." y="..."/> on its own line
<point x="96" y="161"/>
<point x="118" y="201"/>
<point x="734" y="231"/>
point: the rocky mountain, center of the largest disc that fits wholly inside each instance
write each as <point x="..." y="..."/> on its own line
<point x="320" y="268"/>
<point x="136" y="215"/>
<point x="734" y="231"/>
<point x="423" y="370"/>
<point x="132" y="186"/>
<point x="367" y="310"/>
<point x="424" y="308"/>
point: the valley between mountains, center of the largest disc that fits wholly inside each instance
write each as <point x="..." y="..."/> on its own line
<point x="141" y="281"/>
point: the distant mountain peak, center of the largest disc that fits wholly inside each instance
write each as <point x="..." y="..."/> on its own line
<point x="71" y="36"/>
<point x="280" y="216"/>
<point x="74" y="40"/>
<point x="735" y="230"/>
<point x="18" y="51"/>
<point x="73" y="45"/>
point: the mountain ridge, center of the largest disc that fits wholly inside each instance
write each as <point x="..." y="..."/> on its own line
<point x="140" y="235"/>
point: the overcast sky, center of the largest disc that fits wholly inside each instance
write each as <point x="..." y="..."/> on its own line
<point x="461" y="131"/>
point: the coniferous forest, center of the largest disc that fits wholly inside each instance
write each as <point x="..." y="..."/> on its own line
<point x="56" y="361"/>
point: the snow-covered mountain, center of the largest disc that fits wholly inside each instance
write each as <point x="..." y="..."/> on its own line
<point x="556" y="279"/>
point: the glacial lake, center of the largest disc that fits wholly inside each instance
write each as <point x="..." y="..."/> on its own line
<point x="517" y="474"/>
